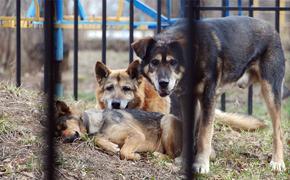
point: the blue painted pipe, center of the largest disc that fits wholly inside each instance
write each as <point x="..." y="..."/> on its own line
<point x="59" y="44"/>
<point x="147" y="10"/>
<point x="240" y="12"/>
<point x="82" y="12"/>
<point x="59" y="32"/>
<point x="31" y="10"/>
<point x="227" y="10"/>
<point x="59" y="10"/>
<point x="59" y="90"/>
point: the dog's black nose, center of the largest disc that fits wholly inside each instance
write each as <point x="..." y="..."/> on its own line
<point x="163" y="84"/>
<point x="72" y="138"/>
<point x="116" y="105"/>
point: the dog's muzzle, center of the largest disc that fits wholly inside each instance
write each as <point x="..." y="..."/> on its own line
<point x="72" y="138"/>
<point x="117" y="104"/>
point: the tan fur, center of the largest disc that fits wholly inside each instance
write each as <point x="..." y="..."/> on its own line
<point x="239" y="121"/>
<point x="216" y="40"/>
<point x="158" y="57"/>
<point x="171" y="135"/>
<point x="275" y="113"/>
<point x="145" y="96"/>
<point x="107" y="145"/>
<point x="132" y="137"/>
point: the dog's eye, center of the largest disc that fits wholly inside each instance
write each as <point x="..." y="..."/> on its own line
<point x="109" y="88"/>
<point x="126" y="88"/>
<point x="62" y="126"/>
<point x="173" y="62"/>
<point x="155" y="62"/>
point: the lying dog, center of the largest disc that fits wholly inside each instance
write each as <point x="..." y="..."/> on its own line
<point x="123" y="131"/>
<point x="228" y="50"/>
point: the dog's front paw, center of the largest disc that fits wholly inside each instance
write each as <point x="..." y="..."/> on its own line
<point x="201" y="167"/>
<point x="130" y="156"/>
<point x="277" y="166"/>
<point x="178" y="161"/>
<point x="115" y="148"/>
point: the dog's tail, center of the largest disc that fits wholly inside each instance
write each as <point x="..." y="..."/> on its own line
<point x="239" y="121"/>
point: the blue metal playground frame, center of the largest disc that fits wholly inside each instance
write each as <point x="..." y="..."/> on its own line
<point x="138" y="4"/>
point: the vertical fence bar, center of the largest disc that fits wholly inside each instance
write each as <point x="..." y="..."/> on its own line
<point x="76" y="47"/>
<point x="50" y="153"/>
<point x="250" y="89"/>
<point x="168" y="9"/>
<point x="277" y="15"/>
<point x="182" y="8"/>
<point x="131" y="35"/>
<point x="104" y="31"/>
<point x="225" y="12"/>
<point x="158" y="16"/>
<point x="189" y="104"/>
<point x="18" y="43"/>
<point x="225" y="4"/>
<point x="240" y="4"/>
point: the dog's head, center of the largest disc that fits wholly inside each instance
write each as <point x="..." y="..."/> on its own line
<point x="117" y="89"/>
<point x="68" y="126"/>
<point x="162" y="62"/>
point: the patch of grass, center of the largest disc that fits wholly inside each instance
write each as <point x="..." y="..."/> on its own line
<point x="286" y="107"/>
<point x="33" y="163"/>
<point x="160" y="159"/>
<point x="17" y="91"/>
<point x="87" y="96"/>
<point x="246" y="155"/>
<point x="61" y="161"/>
<point x="5" y="126"/>
<point x="29" y="139"/>
<point x="13" y="89"/>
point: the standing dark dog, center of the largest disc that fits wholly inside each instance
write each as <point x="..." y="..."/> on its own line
<point x="229" y="50"/>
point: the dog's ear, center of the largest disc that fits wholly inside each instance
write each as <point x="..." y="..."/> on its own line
<point x="141" y="46"/>
<point x="134" y="69"/>
<point x="62" y="109"/>
<point x="101" y="71"/>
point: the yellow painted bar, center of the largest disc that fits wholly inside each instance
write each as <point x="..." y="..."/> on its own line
<point x="256" y="3"/>
<point x="99" y="18"/>
<point x="283" y="13"/>
<point x="10" y="22"/>
<point x="37" y="9"/>
<point x="120" y="9"/>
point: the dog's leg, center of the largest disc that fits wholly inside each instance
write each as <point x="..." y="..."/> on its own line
<point x="274" y="110"/>
<point x="272" y="71"/>
<point x="128" y="150"/>
<point x="171" y="137"/>
<point x="104" y="143"/>
<point x="205" y="132"/>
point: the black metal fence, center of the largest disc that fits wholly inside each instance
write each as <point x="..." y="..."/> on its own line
<point x="50" y="72"/>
